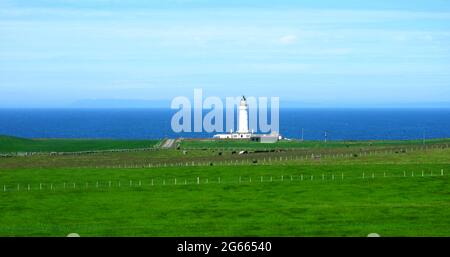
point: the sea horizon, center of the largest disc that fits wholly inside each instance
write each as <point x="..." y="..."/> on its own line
<point x="154" y="123"/>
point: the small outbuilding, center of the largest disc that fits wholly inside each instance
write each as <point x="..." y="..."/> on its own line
<point x="265" y="138"/>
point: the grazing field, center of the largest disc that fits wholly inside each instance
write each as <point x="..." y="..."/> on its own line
<point x="353" y="206"/>
<point x="14" y="144"/>
<point x="244" y="144"/>
<point x="393" y="193"/>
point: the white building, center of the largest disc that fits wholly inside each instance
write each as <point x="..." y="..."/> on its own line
<point x="243" y="116"/>
<point x="243" y="130"/>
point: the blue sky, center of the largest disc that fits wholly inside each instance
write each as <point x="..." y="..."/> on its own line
<point x="309" y="53"/>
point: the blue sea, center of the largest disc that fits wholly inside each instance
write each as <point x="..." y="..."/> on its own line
<point x="340" y="124"/>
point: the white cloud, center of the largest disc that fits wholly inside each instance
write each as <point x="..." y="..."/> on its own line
<point x="276" y="67"/>
<point x="288" y="39"/>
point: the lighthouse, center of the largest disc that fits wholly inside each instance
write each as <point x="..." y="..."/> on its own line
<point x="243" y="116"/>
<point x="243" y="130"/>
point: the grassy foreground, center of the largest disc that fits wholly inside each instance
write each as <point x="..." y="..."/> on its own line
<point x="393" y="194"/>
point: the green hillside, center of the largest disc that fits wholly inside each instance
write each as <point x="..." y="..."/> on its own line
<point x="211" y="143"/>
<point x="213" y="192"/>
<point x="10" y="144"/>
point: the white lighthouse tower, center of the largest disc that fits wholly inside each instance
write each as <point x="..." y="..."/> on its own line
<point x="243" y="131"/>
<point x="243" y="116"/>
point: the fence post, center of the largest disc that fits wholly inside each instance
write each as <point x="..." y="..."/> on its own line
<point x="198" y="180"/>
<point x="442" y="172"/>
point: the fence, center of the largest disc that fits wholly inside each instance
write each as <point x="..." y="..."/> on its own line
<point x="246" y="159"/>
<point x="24" y="154"/>
<point x="180" y="181"/>
<point x="233" y="149"/>
<point x="269" y="149"/>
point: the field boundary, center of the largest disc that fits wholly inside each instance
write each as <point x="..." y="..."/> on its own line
<point x="245" y="159"/>
<point x="202" y="180"/>
<point x="24" y="154"/>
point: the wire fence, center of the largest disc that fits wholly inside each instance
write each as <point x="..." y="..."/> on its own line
<point x="157" y="147"/>
<point x="245" y="159"/>
<point x="24" y="154"/>
<point x="198" y="180"/>
<point x="296" y="148"/>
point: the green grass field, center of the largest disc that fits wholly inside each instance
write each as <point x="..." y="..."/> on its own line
<point x="14" y="144"/>
<point x="244" y="144"/>
<point x="384" y="192"/>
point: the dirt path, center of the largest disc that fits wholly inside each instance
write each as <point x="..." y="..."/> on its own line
<point x="168" y="143"/>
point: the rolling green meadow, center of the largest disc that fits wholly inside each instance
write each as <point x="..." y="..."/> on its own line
<point x="14" y="144"/>
<point x="390" y="188"/>
<point x="230" y="144"/>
